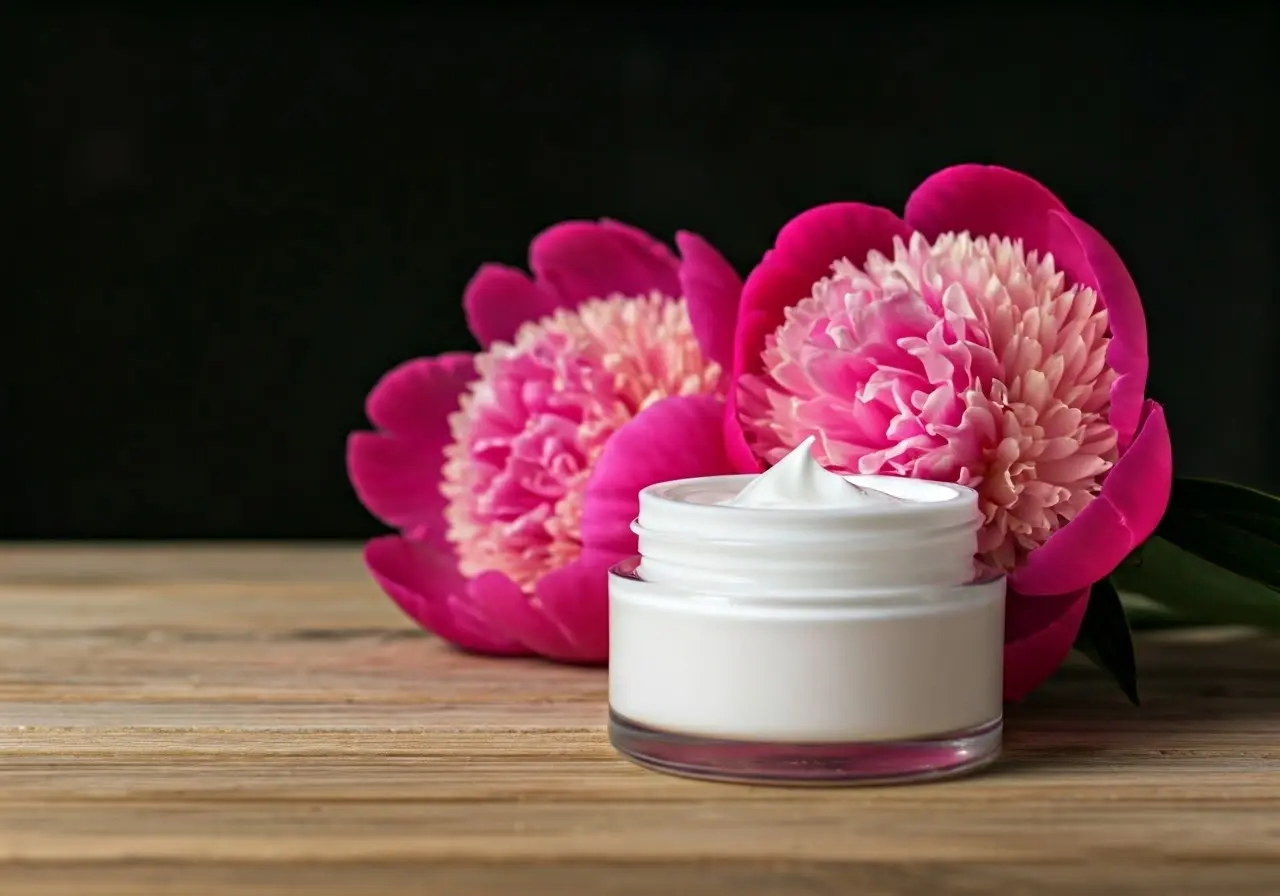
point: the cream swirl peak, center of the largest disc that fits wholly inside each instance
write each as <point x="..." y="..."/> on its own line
<point x="798" y="481"/>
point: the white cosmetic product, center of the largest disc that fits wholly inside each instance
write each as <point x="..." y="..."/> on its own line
<point x="804" y="627"/>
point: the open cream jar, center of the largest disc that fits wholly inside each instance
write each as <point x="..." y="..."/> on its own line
<point x="803" y="627"/>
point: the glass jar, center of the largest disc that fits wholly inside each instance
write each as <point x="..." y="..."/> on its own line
<point x="821" y="645"/>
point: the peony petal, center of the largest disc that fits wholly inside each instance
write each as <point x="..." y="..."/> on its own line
<point x="675" y="438"/>
<point x="422" y="577"/>
<point x="803" y="254"/>
<point x="758" y="316"/>
<point x="1134" y="496"/>
<point x="397" y="480"/>
<point x="499" y="299"/>
<point x="1089" y="259"/>
<point x="1125" y="414"/>
<point x="509" y="610"/>
<point x="988" y="200"/>
<point x="1039" y="633"/>
<point x="576" y="598"/>
<point x="711" y="288"/>
<point x="396" y="472"/>
<point x="984" y="200"/>
<point x="416" y="398"/>
<point x="580" y="260"/>
<point x="813" y="240"/>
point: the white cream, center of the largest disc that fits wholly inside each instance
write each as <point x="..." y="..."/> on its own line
<point x="800" y="608"/>
<point x="799" y="481"/>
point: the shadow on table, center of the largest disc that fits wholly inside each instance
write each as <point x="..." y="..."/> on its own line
<point x="1206" y="695"/>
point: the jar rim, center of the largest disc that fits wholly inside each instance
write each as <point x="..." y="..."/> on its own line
<point x="926" y="503"/>
<point x="626" y="574"/>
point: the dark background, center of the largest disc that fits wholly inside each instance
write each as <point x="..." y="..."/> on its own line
<point x="230" y="224"/>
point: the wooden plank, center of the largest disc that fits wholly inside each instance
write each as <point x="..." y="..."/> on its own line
<point x="137" y="562"/>
<point x="845" y="829"/>
<point x="262" y="720"/>
<point x="741" y="877"/>
<point x="466" y="768"/>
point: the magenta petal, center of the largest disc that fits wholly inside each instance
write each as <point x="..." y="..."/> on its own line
<point x="1127" y="394"/>
<point x="581" y="260"/>
<point x="576" y="598"/>
<point x="984" y="200"/>
<point x="397" y="480"/>
<point x="813" y="240"/>
<point x="499" y="299"/>
<point x="675" y="438"/>
<point x="396" y="472"/>
<point x="711" y="288"/>
<point x="770" y="289"/>
<point x="803" y="254"/>
<point x="1088" y="259"/>
<point x="737" y="452"/>
<point x="511" y="611"/>
<point x="416" y="398"/>
<point x="1039" y="633"/>
<point x="1134" y="496"/>
<point x="422" y="578"/>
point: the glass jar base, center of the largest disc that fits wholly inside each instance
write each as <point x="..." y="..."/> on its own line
<point x="825" y="764"/>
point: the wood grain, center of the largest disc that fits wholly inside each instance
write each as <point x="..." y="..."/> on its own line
<point x="259" y="719"/>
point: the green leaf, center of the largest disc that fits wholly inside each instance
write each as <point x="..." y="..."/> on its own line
<point x="1232" y="527"/>
<point x="1197" y="588"/>
<point x="1104" y="638"/>
<point x="1222" y="540"/>
<point x="1213" y="495"/>
<point x="1146" y="615"/>
<point x="1267" y="527"/>
<point x="1257" y="512"/>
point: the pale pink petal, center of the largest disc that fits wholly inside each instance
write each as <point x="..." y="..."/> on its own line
<point x="1134" y="496"/>
<point x="960" y="359"/>
<point x="984" y="200"/>
<point x="1039" y="633"/>
<point x="581" y="260"/>
<point x="675" y="438"/>
<point x="987" y="200"/>
<point x="421" y="576"/>
<point x="711" y="288"/>
<point x="576" y="598"/>
<point x="499" y="299"/>
<point x="509" y="610"/>
<point x="1090" y="260"/>
<point x="544" y="413"/>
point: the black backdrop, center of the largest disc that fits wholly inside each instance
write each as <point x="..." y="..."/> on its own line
<point x="230" y="224"/>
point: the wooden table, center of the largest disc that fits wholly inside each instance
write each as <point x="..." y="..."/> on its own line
<point x="262" y="720"/>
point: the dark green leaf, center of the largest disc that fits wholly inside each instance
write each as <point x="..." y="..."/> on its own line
<point x="1215" y="495"/>
<point x="1221" y="540"/>
<point x="1267" y="527"/>
<point x="1133" y="558"/>
<point x="1104" y="638"/>
<point x="1146" y="616"/>
<point x="1198" y="589"/>
<point x="1247" y="508"/>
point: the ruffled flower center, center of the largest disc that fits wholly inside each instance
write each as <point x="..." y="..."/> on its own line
<point x="530" y="427"/>
<point x="966" y="360"/>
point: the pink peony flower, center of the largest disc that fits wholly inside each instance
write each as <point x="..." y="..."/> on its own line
<point x="497" y="468"/>
<point x="991" y="339"/>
